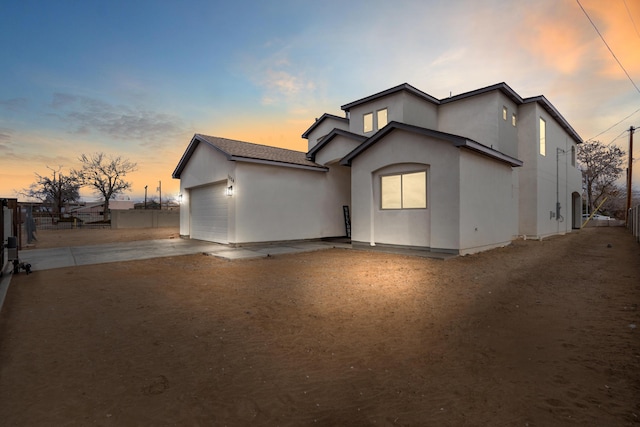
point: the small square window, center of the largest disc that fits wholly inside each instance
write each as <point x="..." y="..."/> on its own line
<point x="368" y="122"/>
<point x="504" y="113"/>
<point x="382" y="118"/>
<point x="513" y="119"/>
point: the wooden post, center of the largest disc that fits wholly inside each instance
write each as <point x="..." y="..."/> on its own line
<point x="629" y="176"/>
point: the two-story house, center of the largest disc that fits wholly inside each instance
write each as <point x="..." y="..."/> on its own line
<point x="460" y="175"/>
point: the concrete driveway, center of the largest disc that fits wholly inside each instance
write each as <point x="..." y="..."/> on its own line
<point x="44" y="259"/>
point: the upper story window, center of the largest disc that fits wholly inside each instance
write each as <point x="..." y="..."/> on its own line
<point x="368" y="122"/>
<point x="404" y="191"/>
<point x="543" y="137"/>
<point x="382" y="118"/>
<point x="513" y="119"/>
<point x="573" y="155"/>
<point x="504" y="113"/>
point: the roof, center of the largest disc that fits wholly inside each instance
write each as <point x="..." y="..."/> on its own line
<point x="241" y="151"/>
<point x="517" y="99"/>
<point x="502" y="87"/>
<point x="311" y="155"/>
<point x="403" y="87"/>
<point x="320" y="120"/>
<point x="456" y="140"/>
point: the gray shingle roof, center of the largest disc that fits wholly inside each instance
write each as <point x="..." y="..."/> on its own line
<point x="249" y="152"/>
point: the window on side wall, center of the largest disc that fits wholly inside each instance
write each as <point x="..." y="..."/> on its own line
<point x="573" y="155"/>
<point x="543" y="137"/>
<point x="382" y="118"/>
<point x="513" y="120"/>
<point x="368" y="122"/>
<point x="404" y="191"/>
<point x="504" y="113"/>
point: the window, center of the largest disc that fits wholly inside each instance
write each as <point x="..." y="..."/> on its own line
<point x="513" y="119"/>
<point x="573" y="155"/>
<point x="368" y="122"/>
<point x="543" y="137"/>
<point x="504" y="113"/>
<point x="382" y="118"/>
<point x="404" y="191"/>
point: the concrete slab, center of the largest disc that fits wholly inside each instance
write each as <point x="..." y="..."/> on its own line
<point x="238" y="253"/>
<point x="44" y="259"/>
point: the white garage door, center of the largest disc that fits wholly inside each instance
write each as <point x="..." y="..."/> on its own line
<point x="209" y="213"/>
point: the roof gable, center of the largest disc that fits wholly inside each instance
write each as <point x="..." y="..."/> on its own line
<point x="311" y="155"/>
<point x="241" y="151"/>
<point x="403" y="87"/>
<point x="456" y="140"/>
<point x="320" y="120"/>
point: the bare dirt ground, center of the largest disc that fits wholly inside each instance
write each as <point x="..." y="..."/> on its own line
<point x="535" y="334"/>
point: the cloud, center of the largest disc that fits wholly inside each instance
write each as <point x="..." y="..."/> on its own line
<point x="14" y="104"/>
<point x="280" y="80"/>
<point x="86" y="115"/>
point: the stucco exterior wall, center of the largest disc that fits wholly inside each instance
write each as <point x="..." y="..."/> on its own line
<point x="480" y="118"/>
<point x="545" y="180"/>
<point x="401" y="107"/>
<point x="435" y="227"/>
<point x="488" y="203"/>
<point x="418" y="112"/>
<point x="335" y="150"/>
<point x="275" y="203"/>
<point x="206" y="166"/>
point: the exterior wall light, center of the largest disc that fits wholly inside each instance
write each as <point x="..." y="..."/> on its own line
<point x="229" y="191"/>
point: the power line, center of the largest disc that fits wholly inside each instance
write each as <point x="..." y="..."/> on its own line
<point x="606" y="44"/>
<point x="612" y="126"/>
<point x="631" y="17"/>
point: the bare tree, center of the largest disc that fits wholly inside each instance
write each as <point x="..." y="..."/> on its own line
<point x="105" y="174"/>
<point x="602" y="166"/>
<point x="54" y="191"/>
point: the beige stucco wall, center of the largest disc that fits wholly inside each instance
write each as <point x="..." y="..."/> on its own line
<point x="140" y="218"/>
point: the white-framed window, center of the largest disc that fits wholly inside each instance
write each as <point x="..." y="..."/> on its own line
<point x="404" y="191"/>
<point x="513" y="119"/>
<point x="543" y="137"/>
<point x="367" y="122"/>
<point x="381" y="115"/>
<point x="504" y="113"/>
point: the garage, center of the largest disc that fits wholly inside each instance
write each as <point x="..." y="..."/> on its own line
<point x="209" y="213"/>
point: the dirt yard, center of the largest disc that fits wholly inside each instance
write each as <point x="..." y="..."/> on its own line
<point x="535" y="334"/>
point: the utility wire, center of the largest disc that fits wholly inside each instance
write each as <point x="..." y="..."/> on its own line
<point x="631" y="17"/>
<point x="606" y="44"/>
<point x="612" y="126"/>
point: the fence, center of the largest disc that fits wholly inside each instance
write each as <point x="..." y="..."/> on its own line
<point x="45" y="221"/>
<point x="633" y="222"/>
<point x="141" y="218"/>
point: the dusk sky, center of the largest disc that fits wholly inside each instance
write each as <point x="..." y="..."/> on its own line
<point x="138" y="78"/>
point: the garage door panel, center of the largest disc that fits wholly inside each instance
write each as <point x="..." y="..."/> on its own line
<point x="209" y="213"/>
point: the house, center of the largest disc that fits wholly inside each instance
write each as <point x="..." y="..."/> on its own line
<point x="95" y="211"/>
<point x="459" y="175"/>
